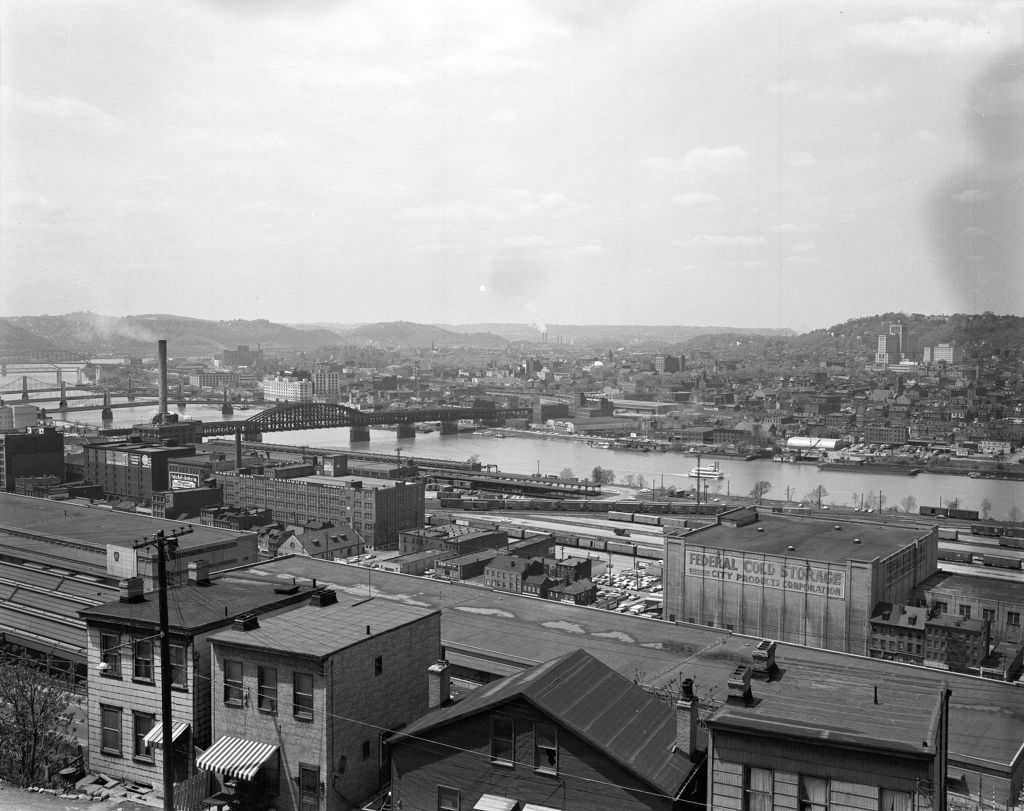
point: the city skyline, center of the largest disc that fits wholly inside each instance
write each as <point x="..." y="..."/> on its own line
<point x="791" y="166"/>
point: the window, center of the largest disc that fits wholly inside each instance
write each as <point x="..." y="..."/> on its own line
<point x="266" y="689"/>
<point x="110" y="730"/>
<point x="303" y="696"/>
<point x="110" y="655"/>
<point x="988" y="614"/>
<point x="965" y="611"/>
<point x="813" y="793"/>
<point x="179" y="667"/>
<point x="309" y="787"/>
<point x="232" y="683"/>
<point x="503" y="740"/>
<point x="448" y="799"/>
<point x="1013" y="618"/>
<point x="143" y="660"/>
<point x="892" y="800"/>
<point x="141" y="724"/>
<point x="941" y="607"/>
<point x="366" y="750"/>
<point x="757" y="789"/>
<point x="545" y="748"/>
<point x="378" y="665"/>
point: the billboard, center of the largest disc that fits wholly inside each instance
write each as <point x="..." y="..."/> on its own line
<point x="773" y="573"/>
<point x="183" y="481"/>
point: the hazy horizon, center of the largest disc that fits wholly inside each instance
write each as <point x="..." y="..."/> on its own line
<point x="651" y="162"/>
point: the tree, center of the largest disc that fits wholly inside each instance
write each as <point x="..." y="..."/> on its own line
<point x="986" y="508"/>
<point x="909" y="504"/>
<point x="760" y="490"/>
<point x="36" y="719"/>
<point x="566" y="475"/>
<point x="1014" y="515"/>
<point x="630" y="480"/>
<point x="816" y="495"/>
<point x="602" y="475"/>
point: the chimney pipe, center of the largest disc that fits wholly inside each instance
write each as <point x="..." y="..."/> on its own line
<point x="161" y="351"/>
<point x="438" y="685"/>
<point x="688" y="733"/>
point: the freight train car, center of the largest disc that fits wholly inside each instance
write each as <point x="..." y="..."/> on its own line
<point x="1000" y="561"/>
<point x="1011" y="542"/>
<point x="986" y="530"/>
<point x="955" y="556"/>
<point x="949" y="534"/>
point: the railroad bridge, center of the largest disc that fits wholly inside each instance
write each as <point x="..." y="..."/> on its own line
<point x="308" y="416"/>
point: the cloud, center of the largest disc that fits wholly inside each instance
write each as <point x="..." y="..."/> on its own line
<point x="724" y="240"/>
<point x="450" y="210"/>
<point x="696" y="199"/>
<point x="504" y="115"/>
<point x="794" y="228"/>
<point x="531" y="241"/>
<point x="548" y="202"/>
<point x="869" y="95"/>
<point x="972" y="196"/>
<point x="702" y="159"/>
<point x="65" y="111"/>
<point x="921" y="35"/>
<point x="800" y="160"/>
<point x="588" y="250"/>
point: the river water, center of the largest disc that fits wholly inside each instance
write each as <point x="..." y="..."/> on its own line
<point x="535" y="454"/>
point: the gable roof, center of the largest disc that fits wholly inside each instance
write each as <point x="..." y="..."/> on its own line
<point x="627" y="724"/>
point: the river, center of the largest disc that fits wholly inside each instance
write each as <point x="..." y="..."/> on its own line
<point x="535" y="454"/>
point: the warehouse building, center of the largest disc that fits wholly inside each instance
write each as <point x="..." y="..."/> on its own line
<point x="807" y="580"/>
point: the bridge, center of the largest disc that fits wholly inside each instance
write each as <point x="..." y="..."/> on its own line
<point x="309" y="416"/>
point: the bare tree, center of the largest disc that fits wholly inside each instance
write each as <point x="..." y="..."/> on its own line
<point x="1014" y="515"/>
<point x="566" y="475"/>
<point x="630" y="480"/>
<point x="816" y="495"/>
<point x="36" y="719"/>
<point x="909" y="504"/>
<point x="601" y="475"/>
<point x="760" y="490"/>
<point x="986" y="508"/>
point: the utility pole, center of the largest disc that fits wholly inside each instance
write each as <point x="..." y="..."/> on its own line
<point x="165" y="544"/>
<point x="698" y="479"/>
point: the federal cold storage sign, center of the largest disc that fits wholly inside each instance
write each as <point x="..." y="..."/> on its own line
<point x="773" y="573"/>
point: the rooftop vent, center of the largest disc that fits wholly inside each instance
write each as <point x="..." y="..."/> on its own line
<point x="856" y="540"/>
<point x="763" y="657"/>
<point x="246" y="622"/>
<point x="791" y="548"/>
<point x="323" y="597"/>
<point x="739" y="685"/>
<point x="130" y="590"/>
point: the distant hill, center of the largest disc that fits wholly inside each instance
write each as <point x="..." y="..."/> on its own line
<point x="407" y="333"/>
<point x="89" y="333"/>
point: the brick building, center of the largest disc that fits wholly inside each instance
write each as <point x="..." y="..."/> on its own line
<point x="570" y="733"/>
<point x="1000" y="602"/>
<point x="915" y="635"/>
<point x="324" y="685"/>
<point x="36" y="452"/>
<point x="806" y="580"/>
<point x="131" y="470"/>
<point x="378" y="509"/>
<point x="454" y="538"/>
<point x="509" y="573"/>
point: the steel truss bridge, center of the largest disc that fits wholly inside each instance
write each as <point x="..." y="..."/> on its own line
<point x="308" y="416"/>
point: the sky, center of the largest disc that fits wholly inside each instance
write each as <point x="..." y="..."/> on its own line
<point x="773" y="164"/>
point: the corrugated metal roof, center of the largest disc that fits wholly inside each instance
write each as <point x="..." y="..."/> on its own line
<point x="582" y="694"/>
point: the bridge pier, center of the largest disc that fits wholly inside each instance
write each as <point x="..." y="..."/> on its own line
<point x="406" y="430"/>
<point x="359" y="433"/>
<point x="107" y="414"/>
<point x="227" y="409"/>
<point x="24" y="387"/>
<point x="252" y="436"/>
<point x="449" y="427"/>
<point x="63" y="404"/>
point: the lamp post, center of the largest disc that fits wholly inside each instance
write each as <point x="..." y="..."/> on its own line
<point x="165" y="544"/>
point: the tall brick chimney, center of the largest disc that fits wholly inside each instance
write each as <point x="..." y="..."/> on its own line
<point x="439" y="692"/>
<point x="690" y="739"/>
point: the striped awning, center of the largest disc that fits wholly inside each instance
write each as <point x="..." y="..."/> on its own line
<point x="492" y="802"/>
<point x="155" y="736"/>
<point x="236" y="757"/>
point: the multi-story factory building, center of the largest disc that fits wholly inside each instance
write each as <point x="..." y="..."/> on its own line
<point x="807" y="580"/>
<point x="287" y="389"/>
<point x="378" y="509"/>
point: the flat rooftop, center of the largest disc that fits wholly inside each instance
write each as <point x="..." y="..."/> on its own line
<point x="812" y="538"/>
<point x="502" y="633"/>
<point x="95" y="526"/>
<point x="320" y="631"/>
<point x="368" y="482"/>
<point x="975" y="587"/>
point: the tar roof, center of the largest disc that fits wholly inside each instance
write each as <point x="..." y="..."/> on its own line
<point x="97" y="526"/>
<point x="500" y="629"/>
<point x="813" y="538"/>
<point x="893" y="716"/>
<point x="607" y="710"/>
<point x="974" y="587"/>
<point x="194" y="608"/>
<point x="319" y="631"/>
<point x="367" y="482"/>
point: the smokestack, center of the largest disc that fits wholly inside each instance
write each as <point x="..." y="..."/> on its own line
<point x="161" y="351"/>
<point x="238" y="448"/>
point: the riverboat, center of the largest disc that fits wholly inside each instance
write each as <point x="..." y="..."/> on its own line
<point x="706" y="472"/>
